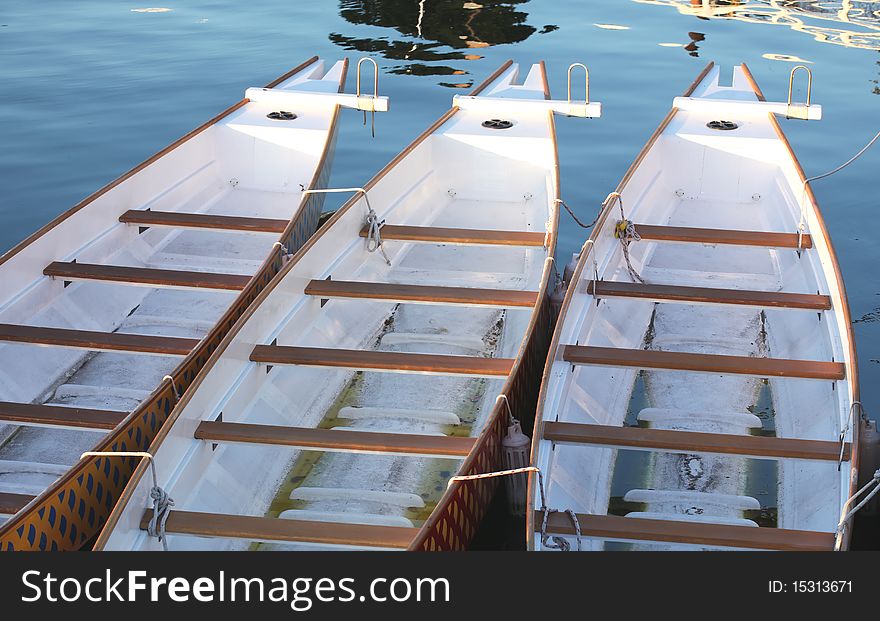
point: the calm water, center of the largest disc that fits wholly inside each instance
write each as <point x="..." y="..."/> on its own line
<point x="92" y="87"/>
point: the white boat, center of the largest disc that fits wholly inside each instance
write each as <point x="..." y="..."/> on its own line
<point x="108" y="312"/>
<point x="701" y="389"/>
<point x="369" y="371"/>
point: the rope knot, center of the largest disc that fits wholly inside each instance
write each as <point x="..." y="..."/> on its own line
<point x="162" y="504"/>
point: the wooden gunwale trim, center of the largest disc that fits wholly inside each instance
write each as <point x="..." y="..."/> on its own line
<point x="488" y="81"/>
<point x="279" y="529"/>
<point x="50" y="415"/>
<point x="544" y="83"/>
<point x="315" y="439"/>
<point x="292" y="72"/>
<point x="107" y="441"/>
<point x="673" y="531"/>
<point x="689" y="295"/>
<point x="679" y="441"/>
<point x="141" y="468"/>
<point x="843" y="302"/>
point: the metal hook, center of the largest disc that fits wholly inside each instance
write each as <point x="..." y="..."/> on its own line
<point x="571" y="68"/>
<point x="791" y="88"/>
<point x="375" y="91"/>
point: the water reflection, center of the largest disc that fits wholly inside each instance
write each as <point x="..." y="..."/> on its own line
<point x="851" y="23"/>
<point x="434" y="32"/>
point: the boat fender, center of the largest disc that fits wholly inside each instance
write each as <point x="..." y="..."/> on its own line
<point x="869" y="461"/>
<point x="515" y="454"/>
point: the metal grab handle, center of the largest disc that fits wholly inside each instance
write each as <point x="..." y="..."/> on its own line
<point x="809" y="83"/>
<point x="375" y="91"/>
<point x="571" y="68"/>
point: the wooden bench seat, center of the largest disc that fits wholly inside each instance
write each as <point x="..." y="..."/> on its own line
<point x="203" y="221"/>
<point x="10" y="504"/>
<point x="721" y="236"/>
<point x="676" y="293"/>
<point x="98" y="341"/>
<point x="276" y="529"/>
<point x="31" y="414"/>
<point x="434" y="364"/>
<point x="642" y="529"/>
<point x="421" y="294"/>
<point x="336" y="440"/>
<point x="179" y="279"/>
<point x="694" y="442"/>
<point x="706" y="363"/>
<point x="444" y="235"/>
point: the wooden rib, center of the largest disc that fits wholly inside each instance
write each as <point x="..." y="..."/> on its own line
<point x="382" y="361"/>
<point x="722" y="236"/>
<point x="98" y="341"/>
<point x="146" y="276"/>
<point x="10" y="504"/>
<point x="673" y="531"/>
<point x="708" y="363"/>
<point x="54" y="415"/>
<point x="203" y="221"/>
<point x="336" y="440"/>
<point x="277" y="529"/>
<point x="675" y="293"/>
<point x="440" y="235"/>
<point x="690" y="90"/>
<point x="693" y="441"/>
<point x="421" y="293"/>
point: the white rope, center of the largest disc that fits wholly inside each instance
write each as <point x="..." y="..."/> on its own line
<point x="625" y="232"/>
<point x="371" y="222"/>
<point x="554" y="542"/>
<point x="847" y="514"/>
<point x="162" y="502"/>
<point x="802" y="225"/>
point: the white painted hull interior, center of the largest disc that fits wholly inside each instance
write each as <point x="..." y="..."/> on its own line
<point x="334" y="413"/>
<point x="161" y="254"/>
<point x="701" y="407"/>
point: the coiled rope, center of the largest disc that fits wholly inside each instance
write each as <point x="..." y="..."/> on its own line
<point x="554" y="542"/>
<point x="162" y="502"/>
<point x="625" y="232"/>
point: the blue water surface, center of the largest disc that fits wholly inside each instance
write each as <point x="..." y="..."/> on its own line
<point x="90" y="88"/>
